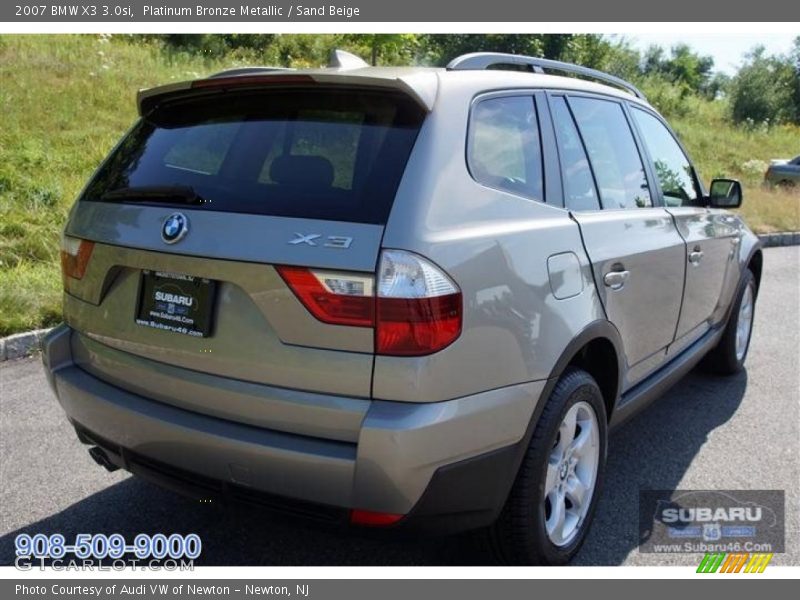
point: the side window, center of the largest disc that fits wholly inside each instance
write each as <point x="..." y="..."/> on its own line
<point x="579" y="189"/>
<point x="615" y="160"/>
<point x="504" y="149"/>
<point x="673" y="169"/>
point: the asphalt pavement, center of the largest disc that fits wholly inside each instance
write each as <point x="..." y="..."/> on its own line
<point x="707" y="432"/>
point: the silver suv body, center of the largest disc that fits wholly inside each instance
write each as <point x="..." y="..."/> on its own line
<point x="400" y="297"/>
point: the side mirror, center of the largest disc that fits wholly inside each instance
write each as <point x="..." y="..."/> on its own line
<point x="725" y="193"/>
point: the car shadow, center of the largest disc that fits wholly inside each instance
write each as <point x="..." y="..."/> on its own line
<point x="652" y="451"/>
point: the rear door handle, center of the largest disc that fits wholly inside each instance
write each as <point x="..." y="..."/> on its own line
<point x="616" y="279"/>
<point x="695" y="257"/>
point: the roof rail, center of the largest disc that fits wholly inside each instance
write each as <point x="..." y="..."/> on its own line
<point x="485" y="60"/>
<point x="247" y="71"/>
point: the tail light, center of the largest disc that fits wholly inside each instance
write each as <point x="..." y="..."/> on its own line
<point x="419" y="307"/>
<point x="415" y="310"/>
<point x="333" y="297"/>
<point x="75" y="256"/>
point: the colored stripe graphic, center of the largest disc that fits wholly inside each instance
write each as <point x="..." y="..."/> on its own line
<point x="741" y="563"/>
<point x="758" y="563"/>
<point x="734" y="562"/>
<point x="711" y="562"/>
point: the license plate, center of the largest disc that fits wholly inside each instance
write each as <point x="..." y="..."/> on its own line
<point x="175" y="302"/>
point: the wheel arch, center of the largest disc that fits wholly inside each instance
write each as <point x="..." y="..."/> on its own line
<point x="756" y="263"/>
<point x="597" y="349"/>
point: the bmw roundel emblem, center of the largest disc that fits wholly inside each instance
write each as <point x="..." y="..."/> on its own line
<point x="175" y="228"/>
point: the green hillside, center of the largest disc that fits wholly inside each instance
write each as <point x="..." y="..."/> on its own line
<point x="66" y="100"/>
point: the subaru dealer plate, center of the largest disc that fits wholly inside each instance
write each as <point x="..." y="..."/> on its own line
<point x="177" y="303"/>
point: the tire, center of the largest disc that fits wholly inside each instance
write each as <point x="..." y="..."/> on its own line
<point x="520" y="534"/>
<point x="727" y="358"/>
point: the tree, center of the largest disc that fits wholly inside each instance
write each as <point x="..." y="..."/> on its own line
<point x="600" y="52"/>
<point x="684" y="67"/>
<point x="765" y="89"/>
<point x="214" y="45"/>
<point x="718" y="86"/>
<point x="439" y="49"/>
<point x="385" y="48"/>
<point x="653" y="60"/>
<point x="795" y="58"/>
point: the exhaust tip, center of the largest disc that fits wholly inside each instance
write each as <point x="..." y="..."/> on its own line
<point x="101" y="458"/>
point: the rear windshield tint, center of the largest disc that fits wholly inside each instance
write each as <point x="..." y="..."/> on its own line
<point x="322" y="154"/>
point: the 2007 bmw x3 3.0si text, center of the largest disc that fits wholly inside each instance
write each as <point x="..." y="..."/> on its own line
<point x="406" y="298"/>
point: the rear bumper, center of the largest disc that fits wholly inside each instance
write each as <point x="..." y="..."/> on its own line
<point x="447" y="465"/>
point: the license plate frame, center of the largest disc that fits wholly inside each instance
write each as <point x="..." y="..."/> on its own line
<point x="176" y="303"/>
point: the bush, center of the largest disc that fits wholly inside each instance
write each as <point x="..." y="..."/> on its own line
<point x="670" y="99"/>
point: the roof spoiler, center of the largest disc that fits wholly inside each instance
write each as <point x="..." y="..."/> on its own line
<point x="421" y="87"/>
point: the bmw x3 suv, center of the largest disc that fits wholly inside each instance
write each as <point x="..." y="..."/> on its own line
<point x="414" y="299"/>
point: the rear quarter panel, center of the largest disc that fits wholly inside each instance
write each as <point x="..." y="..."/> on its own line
<point x="496" y="247"/>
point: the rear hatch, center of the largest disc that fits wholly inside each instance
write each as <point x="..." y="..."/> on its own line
<point x="178" y="255"/>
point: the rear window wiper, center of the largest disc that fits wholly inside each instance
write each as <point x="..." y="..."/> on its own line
<point x="155" y="193"/>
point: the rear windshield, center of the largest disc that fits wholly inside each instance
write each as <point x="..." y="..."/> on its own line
<point x="322" y="154"/>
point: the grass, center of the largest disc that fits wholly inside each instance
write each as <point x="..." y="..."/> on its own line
<point x="768" y="211"/>
<point x="65" y="102"/>
<point x="67" y="99"/>
<point x="722" y="150"/>
<point x="30" y="297"/>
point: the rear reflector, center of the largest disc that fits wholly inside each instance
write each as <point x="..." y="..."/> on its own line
<point x="75" y="256"/>
<point x="417" y="309"/>
<point x="373" y="519"/>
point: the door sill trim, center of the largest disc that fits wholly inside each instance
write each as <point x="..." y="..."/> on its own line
<point x="645" y="392"/>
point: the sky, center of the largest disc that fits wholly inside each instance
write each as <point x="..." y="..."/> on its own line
<point x="728" y="50"/>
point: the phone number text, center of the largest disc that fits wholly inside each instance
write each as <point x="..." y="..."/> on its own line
<point x="99" y="545"/>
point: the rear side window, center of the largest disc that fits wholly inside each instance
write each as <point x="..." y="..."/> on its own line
<point x="323" y="153"/>
<point x="615" y="160"/>
<point x="504" y="149"/>
<point x="673" y="170"/>
<point x="576" y="174"/>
